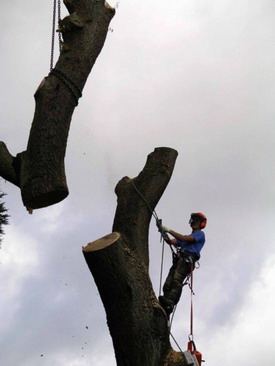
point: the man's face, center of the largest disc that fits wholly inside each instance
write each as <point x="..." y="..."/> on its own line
<point x="195" y="222"/>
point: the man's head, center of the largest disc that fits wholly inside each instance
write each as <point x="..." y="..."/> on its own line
<point x="198" y="220"/>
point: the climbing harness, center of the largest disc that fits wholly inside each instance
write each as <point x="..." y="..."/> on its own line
<point x="192" y="356"/>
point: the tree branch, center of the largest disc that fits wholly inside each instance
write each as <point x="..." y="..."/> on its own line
<point x="119" y="265"/>
<point x="7" y="170"/>
<point x="133" y="214"/>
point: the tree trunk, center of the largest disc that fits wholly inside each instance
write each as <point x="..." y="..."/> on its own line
<point x="39" y="171"/>
<point x="119" y="264"/>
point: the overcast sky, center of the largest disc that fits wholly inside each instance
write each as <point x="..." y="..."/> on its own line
<point x="194" y="75"/>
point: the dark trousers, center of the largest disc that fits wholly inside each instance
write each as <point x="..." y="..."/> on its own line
<point x="182" y="266"/>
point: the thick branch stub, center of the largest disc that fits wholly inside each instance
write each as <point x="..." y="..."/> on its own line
<point x="135" y="196"/>
<point x="101" y="243"/>
<point x="7" y="170"/>
<point x="72" y="21"/>
<point x="135" y="318"/>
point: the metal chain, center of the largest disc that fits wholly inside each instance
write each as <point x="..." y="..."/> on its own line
<point x="53" y="34"/>
<point x="58" y="3"/>
<point x="72" y="87"/>
<point x="59" y="17"/>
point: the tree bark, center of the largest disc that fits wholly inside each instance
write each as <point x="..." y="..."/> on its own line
<point x="39" y="171"/>
<point x="119" y="264"/>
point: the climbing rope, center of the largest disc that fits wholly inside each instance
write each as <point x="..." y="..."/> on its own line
<point x="191" y="343"/>
<point x="161" y="266"/>
<point x="191" y="306"/>
<point x="176" y="342"/>
<point x="163" y="234"/>
<point x="153" y="212"/>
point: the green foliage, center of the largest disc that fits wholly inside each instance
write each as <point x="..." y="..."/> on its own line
<point x="3" y="215"/>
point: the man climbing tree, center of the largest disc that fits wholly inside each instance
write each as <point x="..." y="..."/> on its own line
<point x="188" y="252"/>
<point x="119" y="263"/>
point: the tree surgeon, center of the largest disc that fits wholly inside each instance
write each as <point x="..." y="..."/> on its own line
<point x="188" y="252"/>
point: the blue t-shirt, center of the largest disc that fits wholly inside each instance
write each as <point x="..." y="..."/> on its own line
<point x="196" y="246"/>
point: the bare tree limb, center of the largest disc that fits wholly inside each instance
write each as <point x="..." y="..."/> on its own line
<point x="7" y="170"/>
<point x="133" y="215"/>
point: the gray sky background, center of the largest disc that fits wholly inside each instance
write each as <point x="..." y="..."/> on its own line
<point x="197" y="76"/>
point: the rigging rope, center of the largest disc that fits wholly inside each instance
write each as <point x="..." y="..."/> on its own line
<point x="153" y="212"/>
<point x="191" y="305"/>
<point x="163" y="235"/>
<point x="161" y="266"/>
<point x="176" y="342"/>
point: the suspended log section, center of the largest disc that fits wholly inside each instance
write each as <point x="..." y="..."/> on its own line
<point x="119" y="263"/>
<point x="39" y="171"/>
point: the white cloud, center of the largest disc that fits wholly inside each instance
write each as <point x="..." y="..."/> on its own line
<point x="250" y="339"/>
<point x="19" y="260"/>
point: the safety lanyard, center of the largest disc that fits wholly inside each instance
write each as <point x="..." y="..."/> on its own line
<point x="191" y="304"/>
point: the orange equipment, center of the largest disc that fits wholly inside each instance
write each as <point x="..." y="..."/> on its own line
<point x="192" y="348"/>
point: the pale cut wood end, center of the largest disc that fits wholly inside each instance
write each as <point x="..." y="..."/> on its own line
<point x="102" y="243"/>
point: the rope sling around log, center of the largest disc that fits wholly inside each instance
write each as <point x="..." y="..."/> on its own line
<point x="65" y="79"/>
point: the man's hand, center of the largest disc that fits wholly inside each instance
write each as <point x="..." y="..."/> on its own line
<point x="165" y="228"/>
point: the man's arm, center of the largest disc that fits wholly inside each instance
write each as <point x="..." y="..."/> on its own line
<point x="187" y="238"/>
<point x="171" y="242"/>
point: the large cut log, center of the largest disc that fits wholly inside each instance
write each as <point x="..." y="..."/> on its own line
<point x="39" y="171"/>
<point x="135" y="318"/>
